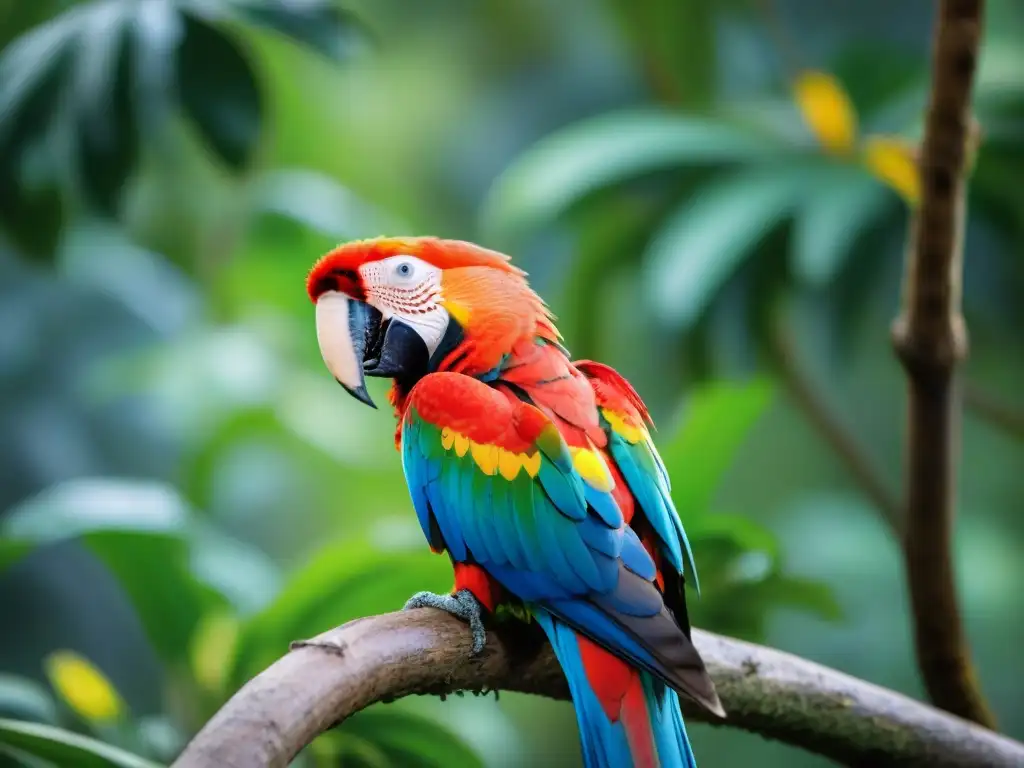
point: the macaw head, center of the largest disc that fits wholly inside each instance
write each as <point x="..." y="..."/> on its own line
<point x="402" y="307"/>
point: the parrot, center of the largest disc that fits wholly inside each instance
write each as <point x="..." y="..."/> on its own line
<point x="536" y="474"/>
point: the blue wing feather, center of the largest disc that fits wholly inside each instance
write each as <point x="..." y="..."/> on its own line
<point x="645" y="475"/>
<point x="454" y="536"/>
<point x="503" y="519"/>
<point x="604" y="504"/>
<point x="565" y="489"/>
<point x="598" y="536"/>
<point x="549" y="538"/>
<point x="635" y="557"/>
<point x="415" y="467"/>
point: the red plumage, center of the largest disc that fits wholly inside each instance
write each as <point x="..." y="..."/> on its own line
<point x="570" y="400"/>
<point x="619" y="689"/>
<point x="339" y="269"/>
<point x="508" y="338"/>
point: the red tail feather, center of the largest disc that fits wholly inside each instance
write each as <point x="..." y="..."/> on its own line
<point x="620" y="691"/>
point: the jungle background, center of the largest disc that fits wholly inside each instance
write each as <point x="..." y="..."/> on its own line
<point x="712" y="197"/>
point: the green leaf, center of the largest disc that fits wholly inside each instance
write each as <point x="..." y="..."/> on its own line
<point x="411" y="740"/>
<point x="32" y="72"/>
<point x="718" y="417"/>
<point x="33" y="69"/>
<point x="140" y="531"/>
<point x="246" y="576"/>
<point x="64" y="747"/>
<point x="107" y="135"/>
<point x="25" y="699"/>
<point x="998" y="77"/>
<point x="879" y="77"/>
<point x="804" y="594"/>
<point x="219" y="92"/>
<point x="320" y="203"/>
<point x="158" y="28"/>
<point x="20" y="17"/>
<point x="12" y="551"/>
<point x="154" y="571"/>
<point x="317" y="24"/>
<point x="846" y="202"/>
<point x="697" y="249"/>
<point x="94" y="505"/>
<point x="159" y="737"/>
<point x="745" y="533"/>
<point x="150" y="515"/>
<point x="33" y="219"/>
<point x="71" y="79"/>
<point x="611" y="237"/>
<point x="581" y="159"/>
<point x="741" y="586"/>
<point x="79" y="92"/>
<point x="676" y="43"/>
<point x="350" y="750"/>
<point x="341" y="582"/>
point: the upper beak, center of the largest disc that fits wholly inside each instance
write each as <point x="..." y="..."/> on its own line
<point x="356" y="342"/>
<point x="342" y="328"/>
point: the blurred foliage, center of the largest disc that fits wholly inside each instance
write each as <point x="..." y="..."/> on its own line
<point x="723" y="179"/>
<point x="183" y="489"/>
<point x="60" y="747"/>
<point x="85" y="90"/>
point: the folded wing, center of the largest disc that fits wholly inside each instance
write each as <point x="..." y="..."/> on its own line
<point x="494" y="483"/>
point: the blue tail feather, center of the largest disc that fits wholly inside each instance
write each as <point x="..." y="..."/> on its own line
<point x="667" y="721"/>
<point x="604" y="742"/>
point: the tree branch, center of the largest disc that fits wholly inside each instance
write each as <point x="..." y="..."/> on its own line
<point x="324" y="680"/>
<point x="930" y="339"/>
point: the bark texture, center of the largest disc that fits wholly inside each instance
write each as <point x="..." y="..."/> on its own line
<point x="930" y="339"/>
<point x="324" y="680"/>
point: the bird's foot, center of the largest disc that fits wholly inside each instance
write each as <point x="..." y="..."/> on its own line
<point x="462" y="604"/>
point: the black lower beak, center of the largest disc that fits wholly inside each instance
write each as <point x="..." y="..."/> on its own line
<point x="401" y="354"/>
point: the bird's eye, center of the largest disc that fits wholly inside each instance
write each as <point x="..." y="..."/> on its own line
<point x="404" y="269"/>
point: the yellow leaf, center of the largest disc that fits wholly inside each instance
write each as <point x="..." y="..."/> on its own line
<point x="892" y="160"/>
<point x="827" y="110"/>
<point x="212" y="647"/>
<point x="83" y="687"/>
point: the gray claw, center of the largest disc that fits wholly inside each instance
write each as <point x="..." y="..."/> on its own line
<point x="461" y="604"/>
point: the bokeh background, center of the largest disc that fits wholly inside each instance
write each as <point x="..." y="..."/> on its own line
<point x="713" y="198"/>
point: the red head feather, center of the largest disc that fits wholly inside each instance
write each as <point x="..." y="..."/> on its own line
<point x="480" y="288"/>
<point x="338" y="269"/>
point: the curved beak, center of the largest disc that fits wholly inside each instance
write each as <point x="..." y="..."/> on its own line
<point x="343" y="327"/>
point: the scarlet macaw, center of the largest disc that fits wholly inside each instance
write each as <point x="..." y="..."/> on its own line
<point x="537" y="475"/>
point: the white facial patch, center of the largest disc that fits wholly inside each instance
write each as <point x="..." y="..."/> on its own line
<point x="408" y="288"/>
